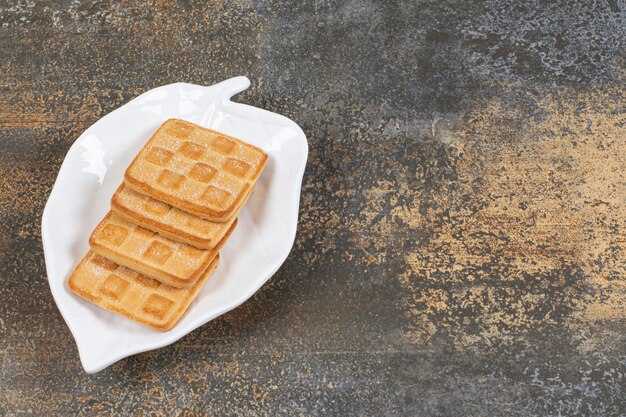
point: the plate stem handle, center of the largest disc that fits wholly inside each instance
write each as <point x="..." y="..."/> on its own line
<point x="232" y="86"/>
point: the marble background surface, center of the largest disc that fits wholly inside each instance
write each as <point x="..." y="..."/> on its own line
<point x="462" y="243"/>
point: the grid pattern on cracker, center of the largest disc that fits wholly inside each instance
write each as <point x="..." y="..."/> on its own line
<point x="171" y="262"/>
<point x="132" y="295"/>
<point x="170" y="221"/>
<point x="196" y="169"/>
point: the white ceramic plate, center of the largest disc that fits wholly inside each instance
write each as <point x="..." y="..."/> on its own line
<point x="93" y="169"/>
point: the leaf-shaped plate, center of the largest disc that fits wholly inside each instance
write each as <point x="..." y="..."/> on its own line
<point x="93" y="169"/>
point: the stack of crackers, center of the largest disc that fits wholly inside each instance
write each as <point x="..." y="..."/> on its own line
<point x="178" y="204"/>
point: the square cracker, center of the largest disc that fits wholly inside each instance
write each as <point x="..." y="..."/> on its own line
<point x="173" y="263"/>
<point x="169" y="221"/>
<point x="132" y="295"/>
<point x="195" y="169"/>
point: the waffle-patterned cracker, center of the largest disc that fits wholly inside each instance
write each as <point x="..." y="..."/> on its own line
<point x="132" y="295"/>
<point x="173" y="263"/>
<point x="169" y="221"/>
<point x="195" y="169"/>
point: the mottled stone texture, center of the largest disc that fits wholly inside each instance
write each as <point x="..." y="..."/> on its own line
<point x="462" y="243"/>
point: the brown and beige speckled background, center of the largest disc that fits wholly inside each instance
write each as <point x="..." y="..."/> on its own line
<point x="462" y="243"/>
